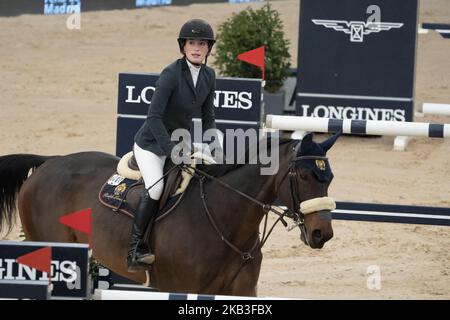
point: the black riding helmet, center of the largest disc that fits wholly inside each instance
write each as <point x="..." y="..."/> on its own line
<point x="196" y="29"/>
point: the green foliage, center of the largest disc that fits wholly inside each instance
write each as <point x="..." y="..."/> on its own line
<point x="247" y="30"/>
<point x="94" y="267"/>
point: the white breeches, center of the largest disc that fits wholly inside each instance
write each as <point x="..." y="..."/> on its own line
<point x="152" y="169"/>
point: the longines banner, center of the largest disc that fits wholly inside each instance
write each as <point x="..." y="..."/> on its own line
<point x="69" y="265"/>
<point x="237" y="105"/>
<point x="357" y="59"/>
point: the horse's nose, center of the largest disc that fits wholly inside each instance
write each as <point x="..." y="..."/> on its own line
<point x="319" y="238"/>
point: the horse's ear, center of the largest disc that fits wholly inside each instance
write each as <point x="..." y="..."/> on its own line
<point x="306" y="143"/>
<point x="327" y="144"/>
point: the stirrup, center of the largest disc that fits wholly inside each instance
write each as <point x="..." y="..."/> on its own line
<point x="135" y="265"/>
<point x="147" y="258"/>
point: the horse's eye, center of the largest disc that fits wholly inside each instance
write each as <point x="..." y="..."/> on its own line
<point x="303" y="176"/>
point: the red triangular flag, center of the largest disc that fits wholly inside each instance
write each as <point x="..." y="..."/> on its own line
<point x="255" y="56"/>
<point x="80" y="220"/>
<point x="39" y="259"/>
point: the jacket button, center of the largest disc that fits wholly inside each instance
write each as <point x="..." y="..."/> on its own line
<point x="193" y="101"/>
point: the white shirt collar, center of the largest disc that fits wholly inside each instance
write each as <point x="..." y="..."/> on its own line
<point x="192" y="67"/>
<point x="194" y="72"/>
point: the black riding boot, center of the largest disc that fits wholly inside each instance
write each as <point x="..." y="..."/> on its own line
<point x="139" y="255"/>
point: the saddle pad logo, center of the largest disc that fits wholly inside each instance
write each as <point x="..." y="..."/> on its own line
<point x="120" y="189"/>
<point x="115" y="180"/>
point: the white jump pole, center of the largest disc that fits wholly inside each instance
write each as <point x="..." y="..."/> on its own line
<point x="436" y="108"/>
<point x="145" y="295"/>
<point x="368" y="127"/>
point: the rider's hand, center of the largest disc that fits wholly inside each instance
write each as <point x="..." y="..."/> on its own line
<point x="181" y="157"/>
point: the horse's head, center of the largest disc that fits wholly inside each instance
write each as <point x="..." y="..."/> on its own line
<point x="305" y="189"/>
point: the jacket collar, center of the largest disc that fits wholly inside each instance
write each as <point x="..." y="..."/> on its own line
<point x="188" y="77"/>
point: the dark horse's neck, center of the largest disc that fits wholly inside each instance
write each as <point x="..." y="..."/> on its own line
<point x="242" y="217"/>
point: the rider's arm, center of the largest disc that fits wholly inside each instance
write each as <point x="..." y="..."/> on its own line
<point x="164" y="87"/>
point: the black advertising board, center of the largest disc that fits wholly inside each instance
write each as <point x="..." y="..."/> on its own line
<point x="69" y="265"/>
<point x="357" y="54"/>
<point x="237" y="105"/>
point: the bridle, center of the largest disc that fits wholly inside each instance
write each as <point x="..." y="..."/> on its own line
<point x="298" y="212"/>
<point x="295" y="214"/>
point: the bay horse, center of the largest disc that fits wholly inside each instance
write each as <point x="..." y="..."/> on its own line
<point x="209" y="248"/>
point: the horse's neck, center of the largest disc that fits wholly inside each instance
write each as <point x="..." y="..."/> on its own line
<point x="263" y="186"/>
<point x="248" y="214"/>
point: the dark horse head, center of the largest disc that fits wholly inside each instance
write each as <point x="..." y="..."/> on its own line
<point x="304" y="189"/>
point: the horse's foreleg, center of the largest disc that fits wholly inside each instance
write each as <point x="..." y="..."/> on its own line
<point x="246" y="281"/>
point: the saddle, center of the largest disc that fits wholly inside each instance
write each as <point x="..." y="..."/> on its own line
<point x="120" y="191"/>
